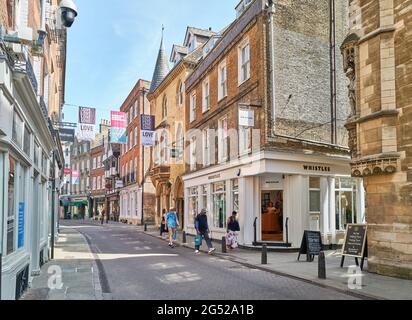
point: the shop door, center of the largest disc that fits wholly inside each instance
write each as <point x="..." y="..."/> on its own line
<point x="272" y="216"/>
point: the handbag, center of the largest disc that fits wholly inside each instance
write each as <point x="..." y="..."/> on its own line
<point x="198" y="241"/>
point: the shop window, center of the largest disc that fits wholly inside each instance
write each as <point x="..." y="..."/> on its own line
<point x="26" y="142"/>
<point x="219" y="205"/>
<point x="17" y="129"/>
<point x="346" y="195"/>
<point x="204" y="197"/>
<point x="11" y="215"/>
<point x="314" y="195"/>
<point x="235" y="195"/>
<point x="193" y="204"/>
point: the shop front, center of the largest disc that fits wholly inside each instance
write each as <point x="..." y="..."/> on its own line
<point x="277" y="197"/>
<point x="79" y="208"/>
<point x="113" y="206"/>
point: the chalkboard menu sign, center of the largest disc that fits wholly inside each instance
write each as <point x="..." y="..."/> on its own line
<point x="311" y="245"/>
<point x="355" y="244"/>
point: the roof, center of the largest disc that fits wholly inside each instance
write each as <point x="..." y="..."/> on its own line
<point x="204" y="33"/>
<point x="161" y="68"/>
<point x="178" y="50"/>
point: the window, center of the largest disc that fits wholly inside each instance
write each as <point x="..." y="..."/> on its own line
<point x="17" y="129"/>
<point x="99" y="183"/>
<point x="222" y="78"/>
<point x="219" y="205"/>
<point x="164" y="107"/>
<point x="11" y="207"/>
<point x="192" y="107"/>
<point x="179" y="142"/>
<point x="206" y="147"/>
<point x="204" y="197"/>
<point x="244" y="62"/>
<point x="245" y="140"/>
<point x="135" y="109"/>
<point x="27" y="142"/>
<point x="135" y="136"/>
<point x="314" y="195"/>
<point x="193" y="204"/>
<point x="206" y="96"/>
<point x="222" y="141"/>
<point x="235" y="195"/>
<point x="193" y="159"/>
<point x="180" y="94"/>
<point x="94" y="163"/>
<point x="164" y="148"/>
<point x="346" y="195"/>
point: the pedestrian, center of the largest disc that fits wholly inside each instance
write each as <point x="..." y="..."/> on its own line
<point x="232" y="229"/>
<point x="163" y="226"/>
<point x="202" y="228"/>
<point x="172" y="223"/>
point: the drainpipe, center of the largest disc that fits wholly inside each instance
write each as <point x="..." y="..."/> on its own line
<point x="271" y="12"/>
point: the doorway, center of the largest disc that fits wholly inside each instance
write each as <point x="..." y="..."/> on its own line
<point x="272" y="216"/>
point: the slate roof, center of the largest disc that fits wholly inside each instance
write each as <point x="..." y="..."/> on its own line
<point x="161" y="69"/>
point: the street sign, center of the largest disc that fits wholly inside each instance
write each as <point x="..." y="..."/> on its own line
<point x="355" y="244"/>
<point x="246" y="118"/>
<point x="67" y="135"/>
<point x="311" y="245"/>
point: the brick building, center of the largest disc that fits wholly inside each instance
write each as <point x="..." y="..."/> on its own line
<point x="258" y="138"/>
<point x="168" y="105"/>
<point x="378" y="63"/>
<point x="97" y="179"/>
<point x="131" y="161"/>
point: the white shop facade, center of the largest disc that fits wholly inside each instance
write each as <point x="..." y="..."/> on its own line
<point x="277" y="196"/>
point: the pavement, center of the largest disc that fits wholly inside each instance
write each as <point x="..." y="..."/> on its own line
<point x="72" y="275"/>
<point x="363" y="284"/>
<point x="122" y="262"/>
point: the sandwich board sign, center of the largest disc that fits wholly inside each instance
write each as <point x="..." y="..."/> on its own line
<point x="311" y="245"/>
<point x="356" y="243"/>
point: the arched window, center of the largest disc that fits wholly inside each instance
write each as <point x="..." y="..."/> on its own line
<point x="164" y="148"/>
<point x="164" y="107"/>
<point x="180" y="94"/>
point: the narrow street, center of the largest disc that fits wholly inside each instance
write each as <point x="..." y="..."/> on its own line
<point x="140" y="267"/>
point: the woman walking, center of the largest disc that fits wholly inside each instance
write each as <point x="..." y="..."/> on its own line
<point x="232" y="228"/>
<point x="172" y="224"/>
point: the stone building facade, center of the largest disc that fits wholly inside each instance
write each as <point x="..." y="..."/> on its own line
<point x="258" y="138"/>
<point x="168" y="105"/>
<point x="378" y="63"/>
<point x="131" y="161"/>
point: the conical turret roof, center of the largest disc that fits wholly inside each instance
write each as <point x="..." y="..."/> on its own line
<point x="161" y="69"/>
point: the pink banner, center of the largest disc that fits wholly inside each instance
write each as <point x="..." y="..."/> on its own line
<point x="118" y="120"/>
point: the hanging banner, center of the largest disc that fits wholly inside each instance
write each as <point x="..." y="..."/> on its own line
<point x="67" y="174"/>
<point x="87" y="115"/>
<point x="147" y="130"/>
<point x="118" y="127"/>
<point x="76" y="177"/>
<point x="86" y="132"/>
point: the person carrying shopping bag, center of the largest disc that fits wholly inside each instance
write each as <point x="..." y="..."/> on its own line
<point x="202" y="228"/>
<point x="232" y="228"/>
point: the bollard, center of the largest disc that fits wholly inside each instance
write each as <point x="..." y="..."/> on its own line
<point x="264" y="254"/>
<point x="145" y="227"/>
<point x="322" y="266"/>
<point x="184" y="237"/>
<point x="224" y="248"/>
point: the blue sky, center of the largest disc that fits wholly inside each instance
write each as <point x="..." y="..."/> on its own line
<point x="111" y="46"/>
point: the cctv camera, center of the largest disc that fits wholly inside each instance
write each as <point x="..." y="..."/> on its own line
<point x="68" y="12"/>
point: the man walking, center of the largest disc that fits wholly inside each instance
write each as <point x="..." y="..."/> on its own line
<point x="172" y="224"/>
<point x="202" y="228"/>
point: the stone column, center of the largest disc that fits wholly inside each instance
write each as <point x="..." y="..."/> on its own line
<point x="332" y="209"/>
<point x="324" y="209"/>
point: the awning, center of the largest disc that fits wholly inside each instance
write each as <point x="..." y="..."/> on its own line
<point x="78" y="203"/>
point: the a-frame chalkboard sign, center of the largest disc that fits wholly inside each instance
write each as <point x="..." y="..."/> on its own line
<point x="311" y="245"/>
<point x="356" y="244"/>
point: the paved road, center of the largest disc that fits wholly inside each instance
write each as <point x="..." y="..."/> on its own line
<point x="139" y="266"/>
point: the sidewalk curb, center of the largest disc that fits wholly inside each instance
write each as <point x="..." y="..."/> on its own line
<point x="279" y="273"/>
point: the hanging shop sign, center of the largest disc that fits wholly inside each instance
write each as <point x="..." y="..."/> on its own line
<point x="246" y="118"/>
<point x="147" y="133"/>
<point x="87" y="115"/>
<point x="67" y="135"/>
<point x="356" y="243"/>
<point x="311" y="245"/>
<point x="118" y="127"/>
<point x="76" y="177"/>
<point x="119" y="184"/>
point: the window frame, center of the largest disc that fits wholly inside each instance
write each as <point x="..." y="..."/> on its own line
<point x="243" y="66"/>
<point x="193" y="107"/>
<point x="206" y="95"/>
<point x="222" y="93"/>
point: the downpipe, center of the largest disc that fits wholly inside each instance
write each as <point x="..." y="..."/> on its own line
<point x="272" y="12"/>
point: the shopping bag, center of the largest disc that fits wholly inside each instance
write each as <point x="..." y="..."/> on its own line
<point x="198" y="241"/>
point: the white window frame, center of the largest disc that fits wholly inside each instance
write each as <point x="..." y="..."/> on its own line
<point x="192" y="106"/>
<point x="243" y="64"/>
<point x="206" y="95"/>
<point x="180" y="95"/>
<point x="222" y="81"/>
<point x="223" y="141"/>
<point x="193" y="151"/>
<point x="245" y="140"/>
<point x="206" y="147"/>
